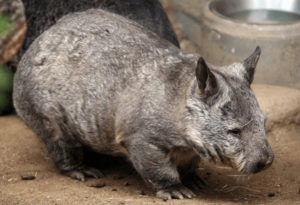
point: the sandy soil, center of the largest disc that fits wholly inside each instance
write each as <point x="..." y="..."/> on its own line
<point x="23" y="155"/>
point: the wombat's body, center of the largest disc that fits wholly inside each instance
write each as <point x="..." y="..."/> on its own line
<point x="99" y="80"/>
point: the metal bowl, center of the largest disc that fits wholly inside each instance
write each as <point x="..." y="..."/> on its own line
<point x="259" y="11"/>
<point x="227" y="37"/>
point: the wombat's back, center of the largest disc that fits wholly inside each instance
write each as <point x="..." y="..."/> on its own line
<point x="86" y="46"/>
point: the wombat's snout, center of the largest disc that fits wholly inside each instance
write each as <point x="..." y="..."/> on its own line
<point x="264" y="163"/>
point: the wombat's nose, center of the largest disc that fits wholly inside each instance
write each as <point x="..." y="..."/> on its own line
<point x="263" y="164"/>
<point x="259" y="166"/>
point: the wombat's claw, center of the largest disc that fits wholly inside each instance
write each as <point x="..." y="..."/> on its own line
<point x="80" y="174"/>
<point x="175" y="192"/>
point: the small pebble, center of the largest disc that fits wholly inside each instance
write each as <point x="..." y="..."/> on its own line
<point x="28" y="177"/>
<point x="271" y="194"/>
<point x="97" y="185"/>
<point x="142" y="193"/>
<point x="114" y="189"/>
<point x="126" y="184"/>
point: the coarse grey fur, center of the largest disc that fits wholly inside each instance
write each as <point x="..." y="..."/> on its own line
<point x="41" y="14"/>
<point x="99" y="80"/>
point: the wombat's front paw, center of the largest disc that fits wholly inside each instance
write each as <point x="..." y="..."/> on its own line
<point x="175" y="192"/>
<point x="81" y="173"/>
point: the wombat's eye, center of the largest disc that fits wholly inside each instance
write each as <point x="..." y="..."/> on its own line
<point x="236" y="132"/>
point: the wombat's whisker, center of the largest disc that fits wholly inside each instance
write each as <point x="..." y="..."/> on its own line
<point x="242" y="165"/>
<point x="233" y="188"/>
<point x="247" y="123"/>
<point x="223" y="167"/>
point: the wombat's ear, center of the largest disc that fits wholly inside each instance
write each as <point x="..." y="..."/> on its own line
<point x="207" y="82"/>
<point x="250" y="64"/>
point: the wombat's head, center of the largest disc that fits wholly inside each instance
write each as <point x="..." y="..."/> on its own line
<point x="226" y="123"/>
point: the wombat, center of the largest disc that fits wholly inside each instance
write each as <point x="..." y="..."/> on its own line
<point x="97" y="79"/>
<point x="41" y="14"/>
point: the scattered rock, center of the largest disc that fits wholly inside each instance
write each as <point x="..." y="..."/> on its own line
<point x="97" y="184"/>
<point x="126" y="184"/>
<point x="143" y="193"/>
<point x="271" y="194"/>
<point x="114" y="189"/>
<point x="27" y="177"/>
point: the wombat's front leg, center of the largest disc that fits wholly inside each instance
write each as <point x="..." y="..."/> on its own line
<point x="157" y="170"/>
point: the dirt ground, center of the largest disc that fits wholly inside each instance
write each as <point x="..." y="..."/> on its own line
<point x="22" y="155"/>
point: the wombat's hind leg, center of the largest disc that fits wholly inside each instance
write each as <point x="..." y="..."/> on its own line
<point x="66" y="153"/>
<point x="80" y="173"/>
<point x="69" y="159"/>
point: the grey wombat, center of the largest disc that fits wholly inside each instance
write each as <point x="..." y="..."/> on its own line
<point x="99" y="80"/>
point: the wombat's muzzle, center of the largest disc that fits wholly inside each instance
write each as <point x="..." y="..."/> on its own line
<point x="264" y="163"/>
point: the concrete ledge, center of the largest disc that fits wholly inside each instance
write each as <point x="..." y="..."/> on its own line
<point x="281" y="104"/>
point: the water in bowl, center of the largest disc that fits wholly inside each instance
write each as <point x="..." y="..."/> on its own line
<point x="265" y="16"/>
